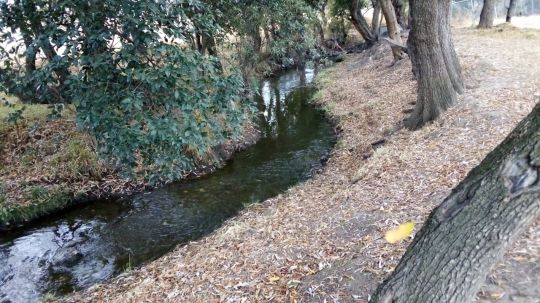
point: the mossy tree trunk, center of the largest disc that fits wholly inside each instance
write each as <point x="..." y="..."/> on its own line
<point x="435" y="63"/>
<point x="487" y="16"/>
<point x="393" y="28"/>
<point x="465" y="236"/>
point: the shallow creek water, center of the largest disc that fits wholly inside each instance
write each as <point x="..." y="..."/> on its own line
<point x="81" y="247"/>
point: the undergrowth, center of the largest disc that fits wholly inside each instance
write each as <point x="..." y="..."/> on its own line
<point x="76" y="160"/>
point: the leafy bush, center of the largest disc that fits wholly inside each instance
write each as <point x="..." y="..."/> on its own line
<point x="148" y="98"/>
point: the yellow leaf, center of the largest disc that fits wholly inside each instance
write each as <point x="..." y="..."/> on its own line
<point x="399" y="233"/>
<point x="496" y="295"/>
<point x="274" y="279"/>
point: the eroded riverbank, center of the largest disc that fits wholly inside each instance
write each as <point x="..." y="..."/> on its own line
<point x="49" y="167"/>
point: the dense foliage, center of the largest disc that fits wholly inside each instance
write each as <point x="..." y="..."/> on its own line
<point x="150" y="100"/>
<point x="279" y="33"/>
<point x="156" y="82"/>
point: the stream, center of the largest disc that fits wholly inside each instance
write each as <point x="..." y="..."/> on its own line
<point x="78" y="248"/>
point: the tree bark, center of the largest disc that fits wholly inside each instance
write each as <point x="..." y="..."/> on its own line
<point x="465" y="235"/>
<point x="360" y="23"/>
<point x="257" y="40"/>
<point x="435" y="91"/>
<point x="511" y="10"/>
<point x="487" y="16"/>
<point x="447" y="45"/>
<point x="376" y="20"/>
<point x="401" y="13"/>
<point x="393" y="28"/>
<point x="322" y="22"/>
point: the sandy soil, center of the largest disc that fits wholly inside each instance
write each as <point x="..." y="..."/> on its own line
<point x="322" y="241"/>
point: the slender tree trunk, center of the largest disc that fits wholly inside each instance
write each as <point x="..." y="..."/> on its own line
<point x="393" y="28"/>
<point x="31" y="53"/>
<point x="257" y="40"/>
<point x="322" y="23"/>
<point x="199" y="43"/>
<point x="360" y="23"/>
<point x="400" y="7"/>
<point x="487" y="16"/>
<point x="511" y="10"/>
<point x="267" y="39"/>
<point x="320" y="29"/>
<point x="435" y="88"/>
<point x="209" y="44"/>
<point x="447" y="44"/>
<point x="465" y="235"/>
<point x="376" y="20"/>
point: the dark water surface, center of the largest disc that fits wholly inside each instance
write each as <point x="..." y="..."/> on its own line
<point x="84" y="246"/>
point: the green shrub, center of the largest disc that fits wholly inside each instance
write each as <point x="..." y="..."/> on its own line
<point x="146" y="102"/>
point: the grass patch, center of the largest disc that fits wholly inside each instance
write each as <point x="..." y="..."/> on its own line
<point x="325" y="77"/>
<point x="37" y="152"/>
<point x="505" y="31"/>
<point x="76" y="160"/>
<point x="41" y="201"/>
<point x="11" y="99"/>
<point x="340" y="58"/>
<point x="33" y="112"/>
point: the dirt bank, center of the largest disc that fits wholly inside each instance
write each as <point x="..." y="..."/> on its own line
<point x="322" y="241"/>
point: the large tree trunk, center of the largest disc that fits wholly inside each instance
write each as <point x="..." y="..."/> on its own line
<point x="465" y="235"/>
<point x="511" y="10"/>
<point x="400" y="7"/>
<point x="487" y="16"/>
<point x="376" y="20"/>
<point x="360" y="23"/>
<point x="393" y="28"/>
<point x="447" y="45"/>
<point x="435" y="90"/>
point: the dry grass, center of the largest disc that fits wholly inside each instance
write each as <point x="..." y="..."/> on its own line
<point x="7" y="98"/>
<point x="321" y="241"/>
<point x="532" y="22"/>
<point x="44" y="164"/>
